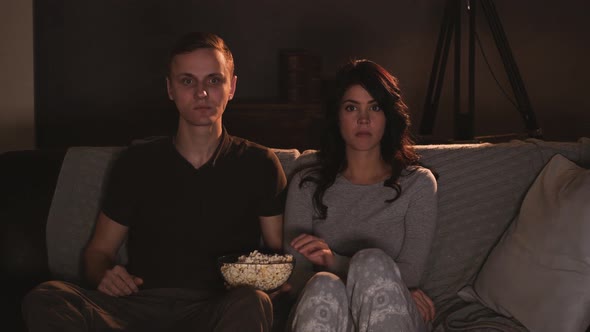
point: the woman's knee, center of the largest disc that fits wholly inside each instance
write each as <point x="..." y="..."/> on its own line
<point x="370" y="256"/>
<point x="325" y="281"/>
<point x="376" y="261"/>
<point x="324" y="289"/>
<point x="322" y="306"/>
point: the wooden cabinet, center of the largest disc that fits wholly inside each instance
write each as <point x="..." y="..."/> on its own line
<point x="275" y="124"/>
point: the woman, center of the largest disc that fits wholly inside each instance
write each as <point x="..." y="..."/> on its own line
<point x="363" y="214"/>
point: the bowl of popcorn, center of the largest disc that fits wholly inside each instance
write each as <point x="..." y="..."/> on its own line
<point x="266" y="272"/>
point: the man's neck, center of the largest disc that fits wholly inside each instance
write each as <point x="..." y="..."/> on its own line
<point x="198" y="143"/>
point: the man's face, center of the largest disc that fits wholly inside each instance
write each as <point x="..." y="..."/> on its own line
<point x="200" y="85"/>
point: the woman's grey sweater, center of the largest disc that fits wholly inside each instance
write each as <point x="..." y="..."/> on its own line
<point x="358" y="217"/>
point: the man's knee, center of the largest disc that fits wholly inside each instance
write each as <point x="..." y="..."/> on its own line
<point x="52" y="306"/>
<point x="250" y="307"/>
<point x="52" y="285"/>
<point x="41" y="294"/>
<point x="251" y="299"/>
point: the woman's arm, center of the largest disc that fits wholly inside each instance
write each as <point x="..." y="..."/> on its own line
<point x="420" y="226"/>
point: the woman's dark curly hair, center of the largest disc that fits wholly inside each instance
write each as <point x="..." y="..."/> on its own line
<point x="396" y="144"/>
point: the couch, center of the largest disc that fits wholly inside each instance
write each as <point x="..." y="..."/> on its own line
<point x="50" y="200"/>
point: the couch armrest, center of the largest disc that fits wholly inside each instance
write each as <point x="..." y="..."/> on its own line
<point x="28" y="182"/>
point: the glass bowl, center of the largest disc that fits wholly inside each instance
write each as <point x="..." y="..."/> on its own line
<point x="267" y="276"/>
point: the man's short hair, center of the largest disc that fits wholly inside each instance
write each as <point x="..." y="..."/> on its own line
<point x="195" y="40"/>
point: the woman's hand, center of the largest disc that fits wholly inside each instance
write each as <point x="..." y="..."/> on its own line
<point x="315" y="249"/>
<point x="424" y="304"/>
<point x="118" y="282"/>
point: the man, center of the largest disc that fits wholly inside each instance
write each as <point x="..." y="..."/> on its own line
<point x="180" y="203"/>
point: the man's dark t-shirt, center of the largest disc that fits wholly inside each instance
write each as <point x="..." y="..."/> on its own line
<point x="181" y="219"/>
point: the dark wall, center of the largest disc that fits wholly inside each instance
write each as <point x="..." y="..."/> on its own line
<point x="99" y="64"/>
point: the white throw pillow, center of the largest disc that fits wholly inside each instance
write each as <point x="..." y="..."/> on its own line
<point x="539" y="272"/>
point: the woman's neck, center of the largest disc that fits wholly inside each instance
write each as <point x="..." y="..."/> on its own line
<point x="364" y="167"/>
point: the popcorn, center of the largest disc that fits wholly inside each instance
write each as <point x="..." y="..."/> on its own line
<point x="265" y="272"/>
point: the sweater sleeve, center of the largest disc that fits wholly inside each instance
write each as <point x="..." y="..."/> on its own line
<point x="298" y="220"/>
<point x="420" y="225"/>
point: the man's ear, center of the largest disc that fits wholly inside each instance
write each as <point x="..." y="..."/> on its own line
<point x="232" y="88"/>
<point x="168" y="89"/>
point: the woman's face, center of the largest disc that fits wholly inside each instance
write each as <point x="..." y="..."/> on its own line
<point x="362" y="121"/>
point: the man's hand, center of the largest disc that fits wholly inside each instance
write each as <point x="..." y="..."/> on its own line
<point x="424" y="304"/>
<point x="315" y="249"/>
<point x="118" y="282"/>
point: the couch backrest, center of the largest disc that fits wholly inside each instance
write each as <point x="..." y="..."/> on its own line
<point x="480" y="190"/>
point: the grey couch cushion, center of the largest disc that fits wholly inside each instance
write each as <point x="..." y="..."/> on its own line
<point x="540" y="271"/>
<point x="287" y="158"/>
<point x="475" y="317"/>
<point x="479" y="188"/>
<point x="75" y="207"/>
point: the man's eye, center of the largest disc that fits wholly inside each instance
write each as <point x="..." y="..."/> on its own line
<point x="187" y="81"/>
<point x="215" y="80"/>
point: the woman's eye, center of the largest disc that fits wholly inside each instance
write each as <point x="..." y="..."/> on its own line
<point x="376" y="108"/>
<point x="349" y="108"/>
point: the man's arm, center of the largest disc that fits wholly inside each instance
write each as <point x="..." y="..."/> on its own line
<point x="101" y="252"/>
<point x="100" y="259"/>
<point x="272" y="232"/>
